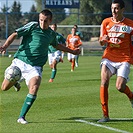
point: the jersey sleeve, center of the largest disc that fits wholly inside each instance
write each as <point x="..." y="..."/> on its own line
<point x="61" y="39"/>
<point x="79" y="41"/>
<point x="54" y="41"/>
<point x="67" y="40"/>
<point x="26" y="28"/>
<point x="103" y="29"/>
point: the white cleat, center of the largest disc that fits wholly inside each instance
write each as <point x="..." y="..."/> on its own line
<point x="76" y="64"/>
<point x="22" y="121"/>
<point x="17" y="86"/>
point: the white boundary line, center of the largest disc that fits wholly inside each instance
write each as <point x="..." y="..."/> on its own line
<point x="102" y="126"/>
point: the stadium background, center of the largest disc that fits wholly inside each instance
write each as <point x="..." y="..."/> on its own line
<point x="88" y="15"/>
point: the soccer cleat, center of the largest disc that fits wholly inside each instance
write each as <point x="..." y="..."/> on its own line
<point x="72" y="70"/>
<point x="22" y="120"/>
<point x="51" y="80"/>
<point x="17" y="86"/>
<point x="76" y="64"/>
<point x="104" y="119"/>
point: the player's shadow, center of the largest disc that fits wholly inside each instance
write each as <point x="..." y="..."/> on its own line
<point x="96" y="119"/>
<point x="89" y="80"/>
<point x="85" y="119"/>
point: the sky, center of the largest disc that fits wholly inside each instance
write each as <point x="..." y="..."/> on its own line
<point x="25" y="4"/>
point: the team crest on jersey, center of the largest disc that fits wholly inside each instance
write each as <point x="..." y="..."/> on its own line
<point x="120" y="28"/>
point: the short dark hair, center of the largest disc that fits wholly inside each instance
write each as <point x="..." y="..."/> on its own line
<point x="75" y="26"/>
<point x="47" y="12"/>
<point x="120" y="2"/>
<point x="54" y="24"/>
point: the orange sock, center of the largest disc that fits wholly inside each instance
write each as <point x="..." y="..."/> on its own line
<point x="128" y="92"/>
<point x="104" y="100"/>
<point x="73" y="64"/>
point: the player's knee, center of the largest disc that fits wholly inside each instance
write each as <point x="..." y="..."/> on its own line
<point x="34" y="89"/>
<point x="105" y="83"/>
<point x="120" y="88"/>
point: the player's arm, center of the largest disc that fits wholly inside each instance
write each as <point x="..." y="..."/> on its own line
<point x="67" y="41"/>
<point x="66" y="49"/>
<point x="79" y="43"/>
<point x="9" y="40"/>
<point x="104" y="38"/>
<point x="67" y="44"/>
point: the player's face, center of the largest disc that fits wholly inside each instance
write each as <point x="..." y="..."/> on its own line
<point x="53" y="27"/>
<point x="117" y="12"/>
<point x="73" y="30"/>
<point x="44" y="21"/>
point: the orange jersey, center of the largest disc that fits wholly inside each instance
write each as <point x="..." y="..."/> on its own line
<point x="119" y="46"/>
<point x="73" y="41"/>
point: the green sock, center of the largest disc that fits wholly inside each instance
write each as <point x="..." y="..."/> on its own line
<point x="27" y="104"/>
<point x="53" y="73"/>
<point x="76" y="59"/>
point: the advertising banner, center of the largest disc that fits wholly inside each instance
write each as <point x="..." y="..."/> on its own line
<point x="62" y="3"/>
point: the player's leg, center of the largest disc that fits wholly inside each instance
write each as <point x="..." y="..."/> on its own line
<point x="30" y="98"/>
<point x="105" y="77"/>
<point x="54" y="71"/>
<point x="50" y="60"/>
<point x="122" y="78"/>
<point x="76" y="60"/>
<point x="33" y="80"/>
<point x="69" y="57"/>
<point x="6" y="85"/>
<point x="73" y="62"/>
<point x="56" y="59"/>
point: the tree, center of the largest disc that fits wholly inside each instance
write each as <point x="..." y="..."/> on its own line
<point x="15" y="17"/>
<point x="32" y="15"/>
<point x="3" y="22"/>
<point x="58" y="15"/>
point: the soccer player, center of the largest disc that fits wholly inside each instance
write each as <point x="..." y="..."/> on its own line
<point x="32" y="55"/>
<point x="116" y="32"/>
<point x="73" y="41"/>
<point x="54" y="55"/>
<point x="81" y="36"/>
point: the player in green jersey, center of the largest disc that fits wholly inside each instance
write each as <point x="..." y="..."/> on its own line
<point x="32" y="55"/>
<point x="54" y="55"/>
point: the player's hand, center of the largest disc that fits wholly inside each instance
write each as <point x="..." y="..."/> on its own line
<point x="103" y="40"/>
<point x="76" y="51"/>
<point x="3" y="49"/>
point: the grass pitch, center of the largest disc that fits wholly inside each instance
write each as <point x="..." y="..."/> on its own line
<point x="68" y="105"/>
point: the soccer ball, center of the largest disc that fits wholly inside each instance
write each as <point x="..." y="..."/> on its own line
<point x="13" y="73"/>
<point x="9" y="55"/>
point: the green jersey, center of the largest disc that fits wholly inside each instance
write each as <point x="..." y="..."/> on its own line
<point x="33" y="49"/>
<point x="60" y="40"/>
<point x="79" y="34"/>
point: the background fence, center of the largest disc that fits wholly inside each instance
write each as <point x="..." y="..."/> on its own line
<point x="12" y="16"/>
<point x="90" y="38"/>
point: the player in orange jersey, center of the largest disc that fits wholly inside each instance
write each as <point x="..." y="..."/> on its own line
<point x="79" y="33"/>
<point x="116" y="32"/>
<point x="73" y="41"/>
